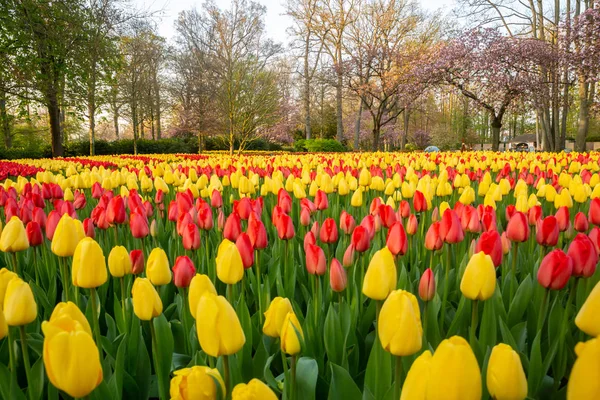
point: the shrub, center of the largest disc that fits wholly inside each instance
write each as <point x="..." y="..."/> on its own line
<point x="323" y="145"/>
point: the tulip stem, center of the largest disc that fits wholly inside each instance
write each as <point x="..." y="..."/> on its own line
<point x="293" y="379"/>
<point x="11" y="354"/>
<point x="543" y="307"/>
<point x="64" y="269"/>
<point x="15" y="263"/>
<point x="95" y="320"/>
<point x="474" y="319"/>
<point x="226" y="374"/>
<point x="184" y="319"/>
<point x="316" y="301"/>
<point x="398" y="372"/>
<point x="122" y="281"/>
<point x="514" y="272"/>
<point x="157" y="369"/>
<point x="26" y="360"/>
<point x="258" y="288"/>
<point x="446" y="284"/>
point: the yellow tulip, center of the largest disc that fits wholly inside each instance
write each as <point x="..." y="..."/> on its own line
<point x="19" y="307"/>
<point x="254" y="390"/>
<point x="455" y="374"/>
<point x="196" y="383"/>
<point x="89" y="265"/>
<point x="220" y="332"/>
<point x="71" y="311"/>
<point x="505" y="376"/>
<point x="146" y="301"/>
<point x="364" y="178"/>
<point x="14" y="237"/>
<point x="160" y="184"/>
<point x="5" y="277"/>
<point x="199" y="286"/>
<point x="275" y="316"/>
<point x="381" y="275"/>
<point x="587" y="318"/>
<point x="157" y="267"/>
<point x="357" y="198"/>
<point x="584" y="381"/>
<point x="479" y="279"/>
<point x="3" y="326"/>
<point x="343" y="188"/>
<point x="71" y="358"/>
<point x="417" y="379"/>
<point x="290" y="329"/>
<point x="66" y="237"/>
<point x="230" y="268"/>
<point x="119" y="262"/>
<point x="399" y="324"/>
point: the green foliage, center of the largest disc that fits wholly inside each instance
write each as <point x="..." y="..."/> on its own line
<point x="319" y="145"/>
<point x="410" y="147"/>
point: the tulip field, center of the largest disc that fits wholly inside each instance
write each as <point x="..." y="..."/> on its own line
<point x="375" y="276"/>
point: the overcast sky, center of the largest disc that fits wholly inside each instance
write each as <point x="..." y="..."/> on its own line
<point x="276" y="23"/>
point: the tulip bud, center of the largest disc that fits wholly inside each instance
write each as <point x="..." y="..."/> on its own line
<point x="5" y="277"/>
<point x="220" y="332"/>
<point x="115" y="212"/>
<point x="146" y="301"/>
<point x="594" y="211"/>
<point x="555" y="270"/>
<point x="14" y="237"/>
<point x="304" y="216"/>
<point x="547" y="231"/>
<point x="183" y="271"/>
<point x="427" y="285"/>
<point x="19" y="306"/>
<point x="119" y="263"/>
<point x="329" y="232"/>
<point x="491" y="244"/>
<point x="381" y="275"/>
<point x="396" y="239"/>
<point x="196" y="382"/>
<point x="435" y="215"/>
<point x="412" y="225"/>
<point x="432" y="237"/>
<point x="357" y="198"/>
<point x="316" y="263"/>
<point x="191" y="237"/>
<point x="157" y="267"/>
<point x="230" y="267"/>
<point x="137" y="261"/>
<point x="66" y="237"/>
<point x="580" y="222"/>
<point x="517" y="229"/>
<point x="254" y="390"/>
<point x="417" y="379"/>
<point x="321" y="202"/>
<point x="199" y="286"/>
<point x="285" y="227"/>
<point x="506" y="243"/>
<point x="291" y="334"/>
<point x="584" y="255"/>
<point x="34" y="234"/>
<point x="360" y="240"/>
<point x="138" y="224"/>
<point x="348" y="259"/>
<point x="479" y="280"/>
<point x="89" y="265"/>
<point x="338" y="278"/>
<point x="399" y="324"/>
<point x="246" y="250"/>
<point x="563" y="218"/>
<point x="419" y="202"/>
<point x="583" y="381"/>
<point x="233" y="227"/>
<point x="275" y="316"/>
<point x="505" y="376"/>
<point x="257" y="233"/>
<point x="454" y="370"/>
<point x="587" y="318"/>
<point x="347" y="223"/>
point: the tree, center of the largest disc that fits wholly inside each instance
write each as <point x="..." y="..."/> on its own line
<point x="494" y="71"/>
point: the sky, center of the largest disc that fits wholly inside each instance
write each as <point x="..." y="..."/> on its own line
<point x="276" y="22"/>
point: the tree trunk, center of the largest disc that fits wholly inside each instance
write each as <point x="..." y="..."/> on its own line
<point x="4" y="121"/>
<point x="583" y="121"/>
<point x="116" y="122"/>
<point x="231" y="135"/>
<point x="404" y="137"/>
<point x="157" y="115"/>
<point x="496" y="125"/>
<point x="54" y="116"/>
<point x="307" y="127"/>
<point x="376" y="135"/>
<point x="134" y="123"/>
<point x="338" y="98"/>
<point x="357" y="125"/>
<point x="92" y="122"/>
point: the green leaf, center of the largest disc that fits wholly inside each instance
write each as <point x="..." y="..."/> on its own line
<point x="333" y="336"/>
<point x="269" y="378"/>
<point x="488" y="330"/>
<point x="342" y="385"/>
<point x="4" y="381"/>
<point x="116" y="380"/>
<point x="307" y="372"/>
<point x="164" y="349"/>
<point x="520" y="302"/>
<point x="36" y="386"/>
<point x="534" y="372"/>
<point x="378" y="376"/>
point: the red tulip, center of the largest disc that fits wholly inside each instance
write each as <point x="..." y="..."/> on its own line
<point x="488" y="221"/>
<point x="361" y="240"/>
<point x="11" y="209"/>
<point x="594" y="236"/>
<point x="563" y="218"/>
<point x="233" y="227"/>
<point x="137" y="261"/>
<point x="404" y="209"/>
<point x="375" y="204"/>
<point x="79" y="201"/>
<point x="517" y="229"/>
<point x="510" y="211"/>
<point x="450" y="228"/>
<point x="285" y="227"/>
<point x="369" y="223"/>
<point x="315" y="228"/>
<point x="338" y="279"/>
<point x="506" y="243"/>
<point x="412" y="225"/>
<point x="148" y="209"/>
<point x="277" y="211"/>
<point x="243" y="207"/>
<point x="329" y="232"/>
<point x="348" y="259"/>
<point x="159" y="197"/>
<point x="316" y="263"/>
<point x="183" y="221"/>
<point x="183" y="271"/>
<point x="185" y="201"/>
<point x="305" y="202"/>
<point x="555" y="270"/>
<point x="284" y="201"/>
<point x="139" y="226"/>
<point x="216" y="200"/>
<point x="309" y="238"/>
<point x="38" y="215"/>
<point x="534" y="215"/>
<point x="396" y="239"/>
<point x="321" y="202"/>
<point x="97" y="190"/>
<point x="432" y="237"/>
<point x="51" y="222"/>
<point x="387" y="215"/>
<point x="115" y="212"/>
<point x="547" y="231"/>
<point x="34" y="234"/>
<point x="347" y="223"/>
<point x="88" y="228"/>
<point x="172" y="211"/>
<point x="191" y="237"/>
<point x="427" y="285"/>
<point x="246" y="250"/>
<point x="435" y="215"/>
<point x="584" y="255"/>
<point x="205" y="217"/>
<point x="257" y="233"/>
<point x="581" y="222"/>
<point x="594" y="212"/>
<point x="419" y="202"/>
<point x="220" y="220"/>
<point x="304" y="216"/>
<point x="491" y="244"/>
